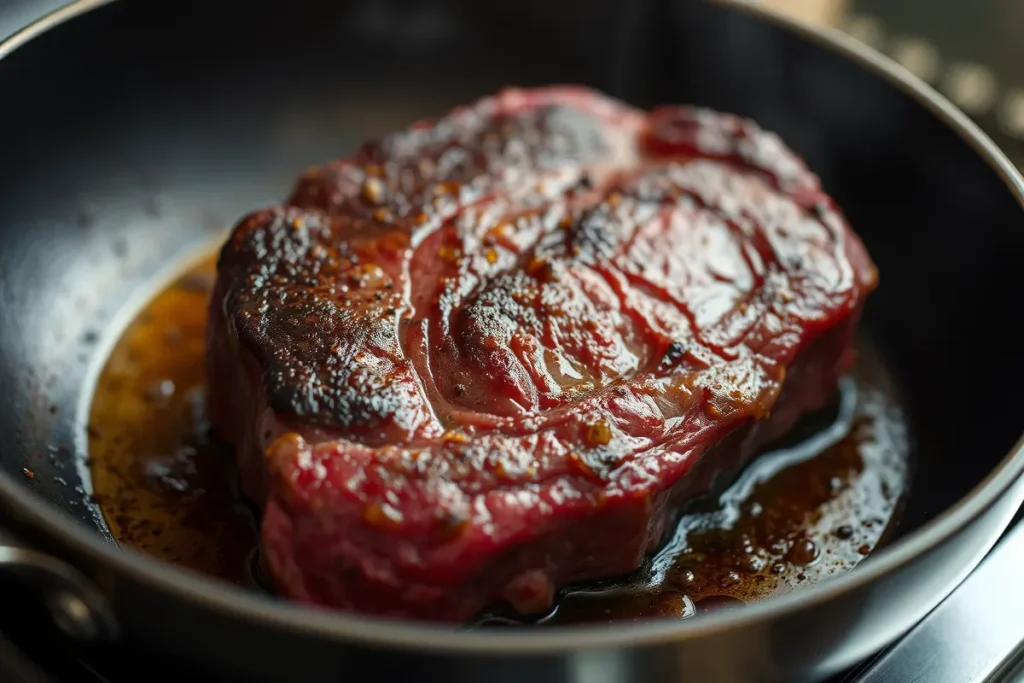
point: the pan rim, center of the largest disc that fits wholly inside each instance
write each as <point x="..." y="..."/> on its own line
<point x="213" y="595"/>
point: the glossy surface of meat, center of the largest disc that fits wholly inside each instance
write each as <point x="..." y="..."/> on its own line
<point x="485" y="357"/>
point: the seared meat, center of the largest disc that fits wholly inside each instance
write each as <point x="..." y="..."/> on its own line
<point x="488" y="356"/>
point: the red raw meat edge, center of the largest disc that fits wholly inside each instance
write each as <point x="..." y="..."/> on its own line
<point x="486" y="357"/>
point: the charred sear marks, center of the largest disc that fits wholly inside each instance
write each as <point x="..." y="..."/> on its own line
<point x="313" y="297"/>
<point x="473" y="351"/>
<point x="531" y="151"/>
<point x="526" y="254"/>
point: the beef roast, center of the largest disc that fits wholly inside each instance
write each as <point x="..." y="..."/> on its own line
<point x="488" y="356"/>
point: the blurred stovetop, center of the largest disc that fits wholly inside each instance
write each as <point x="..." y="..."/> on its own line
<point x="971" y="52"/>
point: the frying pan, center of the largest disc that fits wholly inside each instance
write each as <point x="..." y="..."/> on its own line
<point x="131" y="132"/>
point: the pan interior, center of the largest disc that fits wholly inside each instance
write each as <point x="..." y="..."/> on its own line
<point x="811" y="506"/>
<point x="137" y="137"/>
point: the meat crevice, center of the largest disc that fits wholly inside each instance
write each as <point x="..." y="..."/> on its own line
<point x="491" y="355"/>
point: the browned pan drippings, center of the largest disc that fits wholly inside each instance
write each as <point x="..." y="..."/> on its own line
<point x="801" y="513"/>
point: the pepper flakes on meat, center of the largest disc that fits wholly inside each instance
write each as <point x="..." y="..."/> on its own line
<point x="450" y="525"/>
<point x="382" y="515"/>
<point x="449" y="254"/>
<point x="455" y="436"/>
<point x="566" y="326"/>
<point x="598" y="433"/>
<point x="373" y="190"/>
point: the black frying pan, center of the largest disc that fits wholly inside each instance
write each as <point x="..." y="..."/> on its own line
<point x="141" y="129"/>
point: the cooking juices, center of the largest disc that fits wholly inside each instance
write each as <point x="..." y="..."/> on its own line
<point x="811" y="507"/>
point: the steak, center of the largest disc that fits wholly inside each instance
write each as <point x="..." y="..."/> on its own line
<point x="485" y="357"/>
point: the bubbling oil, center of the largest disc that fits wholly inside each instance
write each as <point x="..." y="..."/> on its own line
<point x="811" y="507"/>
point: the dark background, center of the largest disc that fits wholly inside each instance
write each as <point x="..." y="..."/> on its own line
<point x="972" y="52"/>
<point x="977" y="46"/>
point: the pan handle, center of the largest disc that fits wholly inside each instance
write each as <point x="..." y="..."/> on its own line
<point x="76" y="605"/>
